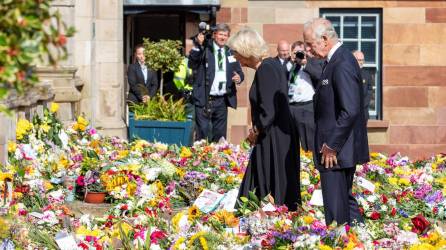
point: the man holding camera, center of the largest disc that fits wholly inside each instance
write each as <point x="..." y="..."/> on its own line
<point x="216" y="73"/>
<point x="300" y="94"/>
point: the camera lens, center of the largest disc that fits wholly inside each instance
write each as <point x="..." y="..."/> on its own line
<point x="300" y="54"/>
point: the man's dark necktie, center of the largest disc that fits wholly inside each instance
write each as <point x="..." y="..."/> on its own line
<point x="220" y="60"/>
<point x="325" y="65"/>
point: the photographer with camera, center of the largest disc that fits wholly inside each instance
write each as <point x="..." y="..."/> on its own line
<point x="216" y="74"/>
<point x="300" y="93"/>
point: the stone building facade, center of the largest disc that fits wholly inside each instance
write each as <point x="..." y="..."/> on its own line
<point x="410" y="108"/>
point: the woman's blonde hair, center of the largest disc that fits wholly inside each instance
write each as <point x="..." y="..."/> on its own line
<point x="248" y="43"/>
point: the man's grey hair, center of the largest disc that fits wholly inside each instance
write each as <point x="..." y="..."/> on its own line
<point x="222" y="27"/>
<point x="322" y="27"/>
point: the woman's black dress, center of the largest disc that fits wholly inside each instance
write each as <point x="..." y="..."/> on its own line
<point x="274" y="162"/>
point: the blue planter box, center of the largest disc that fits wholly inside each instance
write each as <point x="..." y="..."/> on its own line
<point x="179" y="133"/>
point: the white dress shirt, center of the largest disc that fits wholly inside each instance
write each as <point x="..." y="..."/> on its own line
<point x="301" y="90"/>
<point x="219" y="84"/>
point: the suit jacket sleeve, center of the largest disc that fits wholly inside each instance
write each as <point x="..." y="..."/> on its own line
<point x="195" y="56"/>
<point x="153" y="84"/>
<point x="137" y="88"/>
<point x="347" y="91"/>
<point x="267" y="89"/>
<point x="239" y="71"/>
<point x="314" y="69"/>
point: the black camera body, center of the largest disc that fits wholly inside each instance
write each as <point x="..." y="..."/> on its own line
<point x="205" y="29"/>
<point x="300" y="54"/>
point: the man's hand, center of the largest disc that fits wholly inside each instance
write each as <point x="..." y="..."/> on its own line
<point x="252" y="137"/>
<point x="328" y="156"/>
<point x="145" y="98"/>
<point x="200" y="38"/>
<point x="236" y="78"/>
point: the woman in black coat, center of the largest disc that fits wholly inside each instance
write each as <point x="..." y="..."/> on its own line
<point x="274" y="162"/>
<point x="143" y="81"/>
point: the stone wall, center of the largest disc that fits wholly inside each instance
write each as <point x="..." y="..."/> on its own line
<point x="414" y="66"/>
<point x="96" y="51"/>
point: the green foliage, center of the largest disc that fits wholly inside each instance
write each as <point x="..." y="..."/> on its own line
<point x="163" y="55"/>
<point x="160" y="108"/>
<point x="30" y="31"/>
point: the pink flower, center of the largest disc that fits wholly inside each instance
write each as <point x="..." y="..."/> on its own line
<point x="157" y="235"/>
<point x="92" y="131"/>
<point x="80" y="181"/>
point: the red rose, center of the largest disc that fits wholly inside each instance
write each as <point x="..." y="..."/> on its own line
<point x="435" y="210"/>
<point x="375" y="215"/>
<point x="420" y="224"/>
<point x="384" y="199"/>
<point x="361" y="210"/>
<point x="393" y="213"/>
<point x="124" y="207"/>
<point x="157" y="235"/>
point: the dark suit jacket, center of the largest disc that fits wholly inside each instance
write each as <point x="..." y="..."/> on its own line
<point x="284" y="67"/>
<point x="314" y="69"/>
<point x="139" y="88"/>
<point x="198" y="66"/>
<point x="367" y="87"/>
<point x="339" y="113"/>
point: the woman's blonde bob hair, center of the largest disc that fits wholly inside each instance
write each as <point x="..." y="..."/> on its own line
<point x="248" y="43"/>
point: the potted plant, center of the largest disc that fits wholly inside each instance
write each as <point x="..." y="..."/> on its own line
<point x="164" y="56"/>
<point x="160" y="119"/>
<point x="94" y="190"/>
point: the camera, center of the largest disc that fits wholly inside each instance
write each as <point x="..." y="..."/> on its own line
<point x="300" y="54"/>
<point x="206" y="30"/>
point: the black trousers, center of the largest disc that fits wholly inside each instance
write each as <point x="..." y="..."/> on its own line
<point x="339" y="203"/>
<point x="217" y="119"/>
<point x="303" y="118"/>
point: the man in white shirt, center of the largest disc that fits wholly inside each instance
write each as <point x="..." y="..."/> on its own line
<point x="300" y="95"/>
<point x="215" y="81"/>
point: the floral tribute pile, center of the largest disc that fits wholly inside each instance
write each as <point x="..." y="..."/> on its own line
<point x="153" y="190"/>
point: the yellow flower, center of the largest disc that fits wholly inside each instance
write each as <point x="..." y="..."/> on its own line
<point x="229" y="179"/>
<point x="325" y="247"/>
<point x="377" y="185"/>
<point x="434" y="166"/>
<point x="47" y="185"/>
<point x="54" y="107"/>
<point x="308" y="219"/>
<point x="123" y="153"/>
<point x="423" y="246"/>
<point x="404" y="182"/>
<point x="193" y="213"/>
<point x="63" y="161"/>
<point x="12" y="146"/>
<point x="176" y="220"/>
<point x="195" y="236"/>
<point x="131" y="188"/>
<point x="204" y="243"/>
<point x="45" y="127"/>
<point x="180" y="172"/>
<point x="227" y="218"/>
<point x="393" y="181"/>
<point x="178" y="243"/>
<point x="227" y="151"/>
<point x="4" y="176"/>
<point x="23" y="126"/>
<point x="81" y="124"/>
<point x="185" y="152"/>
<point x="4" y="229"/>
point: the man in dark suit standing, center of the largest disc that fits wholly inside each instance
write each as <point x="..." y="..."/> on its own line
<point x="367" y="85"/>
<point x="283" y="57"/>
<point x="143" y="81"/>
<point x="216" y="73"/>
<point x="341" y="133"/>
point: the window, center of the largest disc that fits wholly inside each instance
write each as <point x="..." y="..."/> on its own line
<point x="360" y="29"/>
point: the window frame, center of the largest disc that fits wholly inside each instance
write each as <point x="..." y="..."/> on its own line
<point x="359" y="13"/>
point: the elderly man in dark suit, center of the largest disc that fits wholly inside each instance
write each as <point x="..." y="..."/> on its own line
<point x="143" y="81"/>
<point x="341" y="133"/>
<point x="215" y="79"/>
